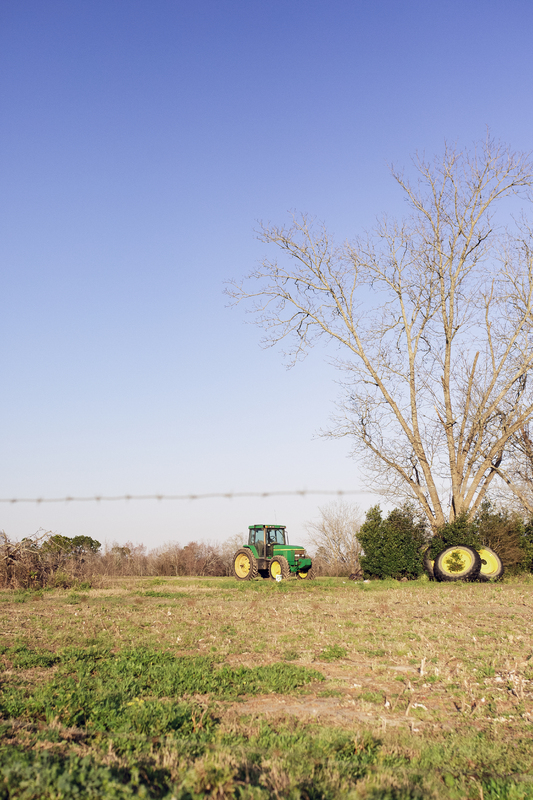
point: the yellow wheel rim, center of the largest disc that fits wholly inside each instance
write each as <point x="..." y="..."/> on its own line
<point x="242" y="565"/>
<point x="302" y="574"/>
<point x="490" y="564"/>
<point x="457" y="562"/>
<point x="275" y="569"/>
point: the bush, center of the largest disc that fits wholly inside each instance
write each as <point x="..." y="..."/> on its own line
<point x="461" y="531"/>
<point x="503" y="532"/>
<point x="508" y="536"/>
<point x="392" y="546"/>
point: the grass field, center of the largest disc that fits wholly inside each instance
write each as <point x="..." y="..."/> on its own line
<point x="192" y="688"/>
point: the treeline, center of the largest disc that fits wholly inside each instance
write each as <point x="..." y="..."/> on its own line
<point x="381" y="546"/>
<point x="52" y="560"/>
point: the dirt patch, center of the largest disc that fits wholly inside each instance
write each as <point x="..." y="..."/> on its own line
<point x="328" y="710"/>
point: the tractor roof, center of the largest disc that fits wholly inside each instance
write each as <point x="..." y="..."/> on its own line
<point x="266" y="525"/>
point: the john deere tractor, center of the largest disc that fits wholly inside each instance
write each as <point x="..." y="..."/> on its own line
<point x="269" y="554"/>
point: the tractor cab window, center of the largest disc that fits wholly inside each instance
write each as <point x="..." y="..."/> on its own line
<point x="257" y="538"/>
<point x="275" y="536"/>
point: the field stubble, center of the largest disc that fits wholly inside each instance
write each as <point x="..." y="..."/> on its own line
<point x="204" y="687"/>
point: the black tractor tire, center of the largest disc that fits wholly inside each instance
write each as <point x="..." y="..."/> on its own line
<point x="245" y="565"/>
<point x="306" y="575"/>
<point x="491" y="565"/>
<point x="428" y="565"/>
<point x="279" y="566"/>
<point x="458" y="563"/>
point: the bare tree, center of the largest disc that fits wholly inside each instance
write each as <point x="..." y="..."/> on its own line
<point x="335" y="537"/>
<point x="518" y="473"/>
<point x="229" y="547"/>
<point x="432" y="320"/>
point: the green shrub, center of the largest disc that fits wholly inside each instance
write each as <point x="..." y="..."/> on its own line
<point x="461" y="531"/>
<point x="61" y="580"/>
<point x="392" y="546"/>
<point x="508" y="536"/>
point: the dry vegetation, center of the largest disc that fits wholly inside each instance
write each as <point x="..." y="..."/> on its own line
<point x="380" y="690"/>
<point x="38" y="561"/>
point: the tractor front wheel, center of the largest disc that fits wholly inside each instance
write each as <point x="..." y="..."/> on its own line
<point x="306" y="575"/>
<point x="279" y="566"/>
<point x="491" y="565"/>
<point x="245" y="565"/>
<point x="459" y="563"/>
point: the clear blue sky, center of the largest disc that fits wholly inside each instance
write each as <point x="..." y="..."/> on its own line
<point x="140" y="141"/>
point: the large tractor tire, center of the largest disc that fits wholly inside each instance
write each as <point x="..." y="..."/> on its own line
<point x="306" y="575"/>
<point x="245" y="565"/>
<point x="279" y="566"/>
<point x="428" y="565"/>
<point x="491" y="565"/>
<point x="459" y="563"/>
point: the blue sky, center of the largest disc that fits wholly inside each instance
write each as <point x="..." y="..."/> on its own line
<point x="140" y="143"/>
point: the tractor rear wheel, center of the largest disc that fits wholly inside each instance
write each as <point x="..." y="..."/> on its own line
<point x="458" y="563"/>
<point x="245" y="565"/>
<point x="279" y="566"/>
<point x="306" y="575"/>
<point x="491" y="565"/>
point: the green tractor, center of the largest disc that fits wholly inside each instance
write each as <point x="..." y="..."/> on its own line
<point x="269" y="554"/>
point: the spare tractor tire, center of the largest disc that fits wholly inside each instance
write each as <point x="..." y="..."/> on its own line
<point x="245" y="565"/>
<point x="458" y="563"/>
<point x="491" y="565"/>
<point x="428" y="564"/>
<point x="279" y="566"/>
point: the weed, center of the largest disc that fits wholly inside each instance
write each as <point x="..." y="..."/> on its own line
<point x="333" y="653"/>
<point x="23" y="657"/>
<point x="74" y="598"/>
<point x="486" y="671"/>
<point x="290" y="655"/>
<point x="23" y="595"/>
<point x="330" y="693"/>
<point x="373" y="697"/>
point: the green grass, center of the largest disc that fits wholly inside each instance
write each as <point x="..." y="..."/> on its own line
<point x="106" y="690"/>
<point x="192" y="688"/>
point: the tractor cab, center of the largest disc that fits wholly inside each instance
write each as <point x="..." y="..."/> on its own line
<point x="264" y="538"/>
